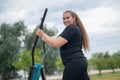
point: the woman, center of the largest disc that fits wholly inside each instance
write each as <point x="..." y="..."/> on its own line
<point x="70" y="42"/>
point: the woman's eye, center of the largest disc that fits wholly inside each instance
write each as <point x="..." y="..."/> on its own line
<point x="63" y="18"/>
<point x="66" y="18"/>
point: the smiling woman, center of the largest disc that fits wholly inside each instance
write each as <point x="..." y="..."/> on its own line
<point x="101" y="18"/>
<point x="71" y="41"/>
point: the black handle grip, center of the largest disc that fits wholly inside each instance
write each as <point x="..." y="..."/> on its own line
<point x="43" y="18"/>
<point x="41" y="27"/>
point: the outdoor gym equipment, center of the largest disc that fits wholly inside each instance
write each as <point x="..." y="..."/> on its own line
<point x="38" y="69"/>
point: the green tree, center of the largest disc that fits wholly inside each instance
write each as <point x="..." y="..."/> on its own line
<point x="116" y="56"/>
<point x="11" y="37"/>
<point x="97" y="61"/>
<point x="23" y="61"/>
<point x="106" y="58"/>
<point x="59" y="65"/>
<point x="111" y="64"/>
<point x="51" y="53"/>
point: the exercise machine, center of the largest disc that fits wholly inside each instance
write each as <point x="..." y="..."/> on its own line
<point x="37" y="70"/>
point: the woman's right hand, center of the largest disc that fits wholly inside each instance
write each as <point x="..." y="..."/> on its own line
<point x="40" y="32"/>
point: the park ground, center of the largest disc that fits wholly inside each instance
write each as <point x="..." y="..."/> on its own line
<point x="91" y="72"/>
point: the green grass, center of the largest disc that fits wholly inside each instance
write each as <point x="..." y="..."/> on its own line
<point x="105" y="76"/>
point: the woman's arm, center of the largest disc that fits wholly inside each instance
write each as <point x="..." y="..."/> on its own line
<point x="56" y="42"/>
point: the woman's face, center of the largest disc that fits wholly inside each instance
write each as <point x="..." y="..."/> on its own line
<point x="68" y="19"/>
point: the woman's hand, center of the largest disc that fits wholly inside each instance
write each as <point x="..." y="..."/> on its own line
<point x="39" y="33"/>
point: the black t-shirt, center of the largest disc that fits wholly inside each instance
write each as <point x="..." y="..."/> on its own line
<point x="72" y="49"/>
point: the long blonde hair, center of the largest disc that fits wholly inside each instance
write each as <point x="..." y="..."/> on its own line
<point x="81" y="26"/>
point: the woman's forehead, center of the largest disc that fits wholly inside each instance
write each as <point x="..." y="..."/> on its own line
<point x="67" y="14"/>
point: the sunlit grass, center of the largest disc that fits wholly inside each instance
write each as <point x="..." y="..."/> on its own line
<point x="106" y="76"/>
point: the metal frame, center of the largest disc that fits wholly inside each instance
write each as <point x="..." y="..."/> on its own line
<point x="38" y="69"/>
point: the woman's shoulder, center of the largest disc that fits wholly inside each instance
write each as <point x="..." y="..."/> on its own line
<point x="73" y="27"/>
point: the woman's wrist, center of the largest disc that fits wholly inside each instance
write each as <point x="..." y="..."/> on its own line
<point x="42" y="37"/>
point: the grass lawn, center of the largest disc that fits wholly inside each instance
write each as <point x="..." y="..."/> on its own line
<point x="105" y="76"/>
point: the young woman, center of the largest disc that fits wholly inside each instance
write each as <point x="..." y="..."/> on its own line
<point x="71" y="41"/>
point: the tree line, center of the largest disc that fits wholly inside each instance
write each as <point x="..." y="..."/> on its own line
<point x="16" y="42"/>
<point x="103" y="60"/>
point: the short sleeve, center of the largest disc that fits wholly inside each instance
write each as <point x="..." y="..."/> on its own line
<point x="68" y="32"/>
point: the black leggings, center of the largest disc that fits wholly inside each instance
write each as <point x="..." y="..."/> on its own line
<point x="76" y="70"/>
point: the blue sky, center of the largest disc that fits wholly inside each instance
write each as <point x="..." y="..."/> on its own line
<point x="100" y="18"/>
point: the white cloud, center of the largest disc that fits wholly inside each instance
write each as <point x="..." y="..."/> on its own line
<point x="102" y="24"/>
<point x="97" y="19"/>
<point x="12" y="16"/>
<point x="101" y="18"/>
